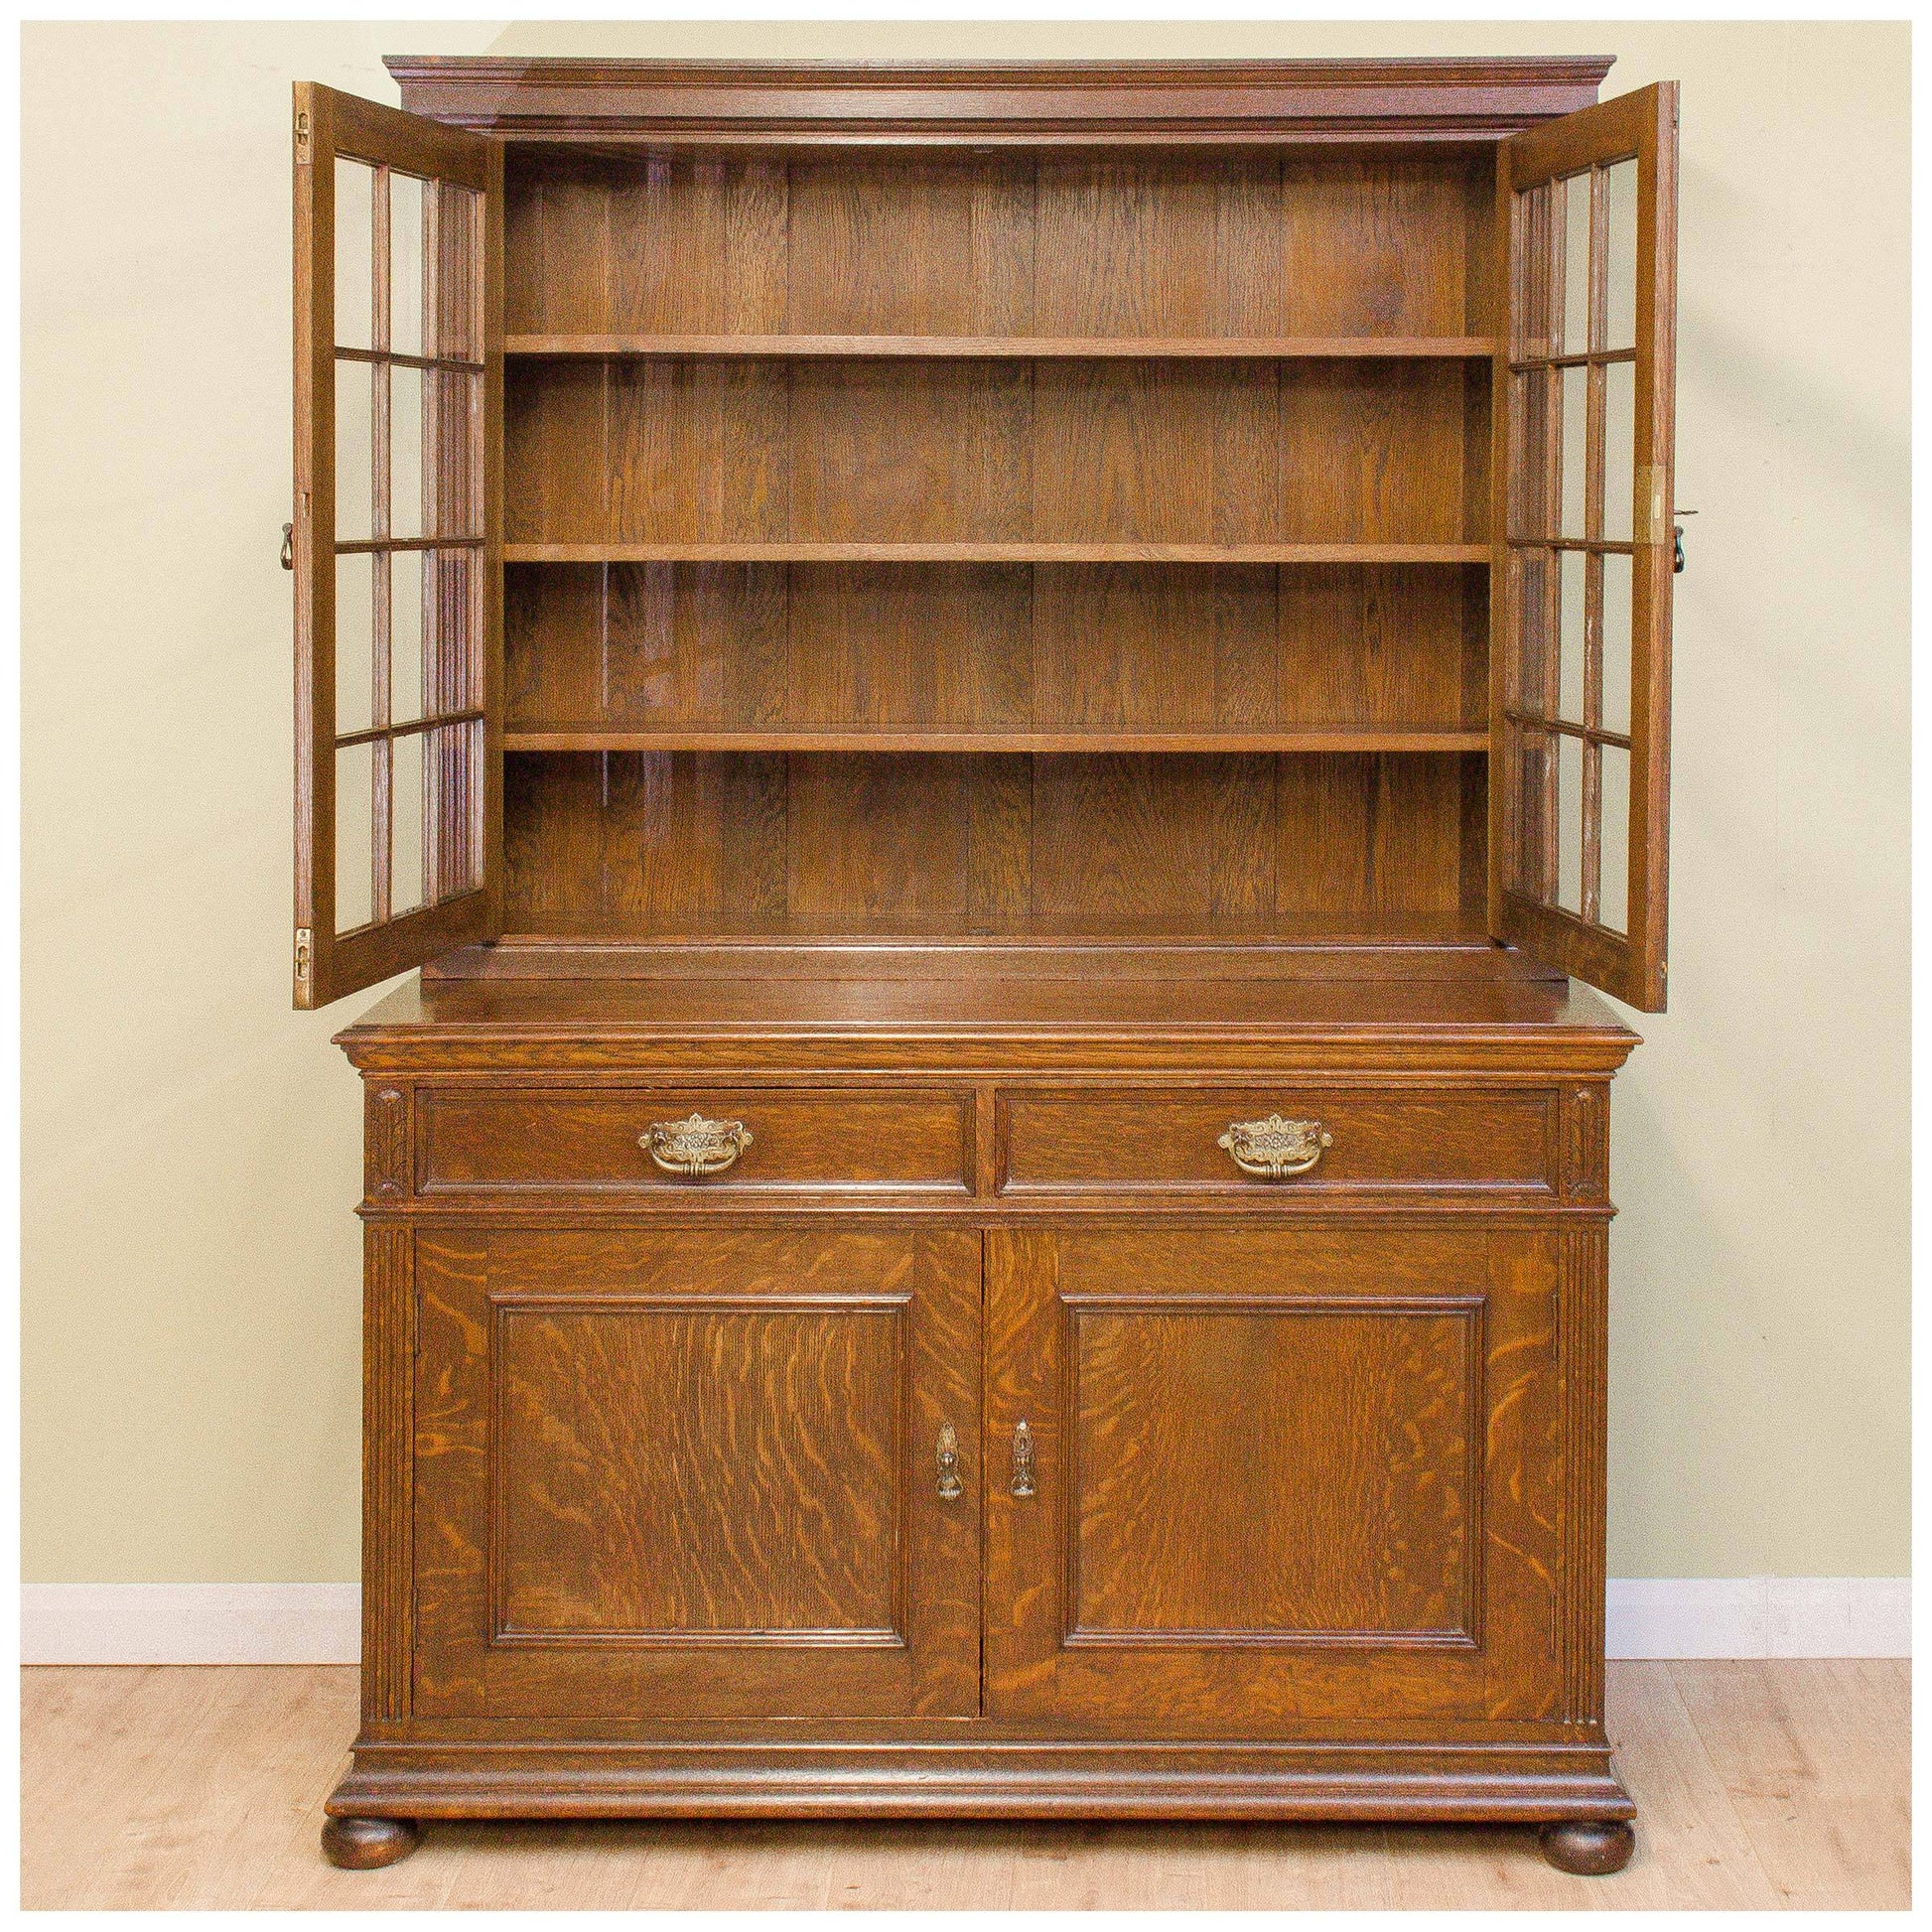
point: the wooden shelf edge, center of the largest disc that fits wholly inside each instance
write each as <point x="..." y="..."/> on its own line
<point x="1245" y="349"/>
<point x="997" y="553"/>
<point x="590" y="738"/>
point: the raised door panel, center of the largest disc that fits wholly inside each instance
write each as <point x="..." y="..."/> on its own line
<point x="686" y="1475"/>
<point x="1274" y="1478"/>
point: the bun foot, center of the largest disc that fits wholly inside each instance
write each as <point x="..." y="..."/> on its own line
<point x="363" y="1844"/>
<point x="1591" y="1848"/>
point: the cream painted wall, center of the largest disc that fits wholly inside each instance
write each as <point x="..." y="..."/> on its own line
<point x="191" y="1261"/>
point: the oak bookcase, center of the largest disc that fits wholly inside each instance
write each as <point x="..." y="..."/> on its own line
<point x="999" y="702"/>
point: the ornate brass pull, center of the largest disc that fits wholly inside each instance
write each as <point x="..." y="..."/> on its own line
<point x="1272" y="1149"/>
<point x="696" y="1147"/>
<point x="950" y="1486"/>
<point x="288" y="546"/>
<point x="1023" y="1459"/>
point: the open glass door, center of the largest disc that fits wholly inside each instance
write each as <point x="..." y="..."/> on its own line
<point x="1580" y="597"/>
<point x="396" y="542"/>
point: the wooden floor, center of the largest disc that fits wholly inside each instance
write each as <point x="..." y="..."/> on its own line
<point x="1758" y="1783"/>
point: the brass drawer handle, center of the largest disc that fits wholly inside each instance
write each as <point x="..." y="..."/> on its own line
<point x="1272" y="1149"/>
<point x="696" y="1147"/>
<point x="950" y="1486"/>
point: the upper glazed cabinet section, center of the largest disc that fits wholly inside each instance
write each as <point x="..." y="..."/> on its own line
<point x="686" y="450"/>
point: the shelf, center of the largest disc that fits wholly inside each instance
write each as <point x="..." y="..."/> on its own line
<point x="996" y="553"/>
<point x="1229" y="348"/>
<point x="597" y="737"/>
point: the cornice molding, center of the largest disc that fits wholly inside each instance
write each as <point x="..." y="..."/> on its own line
<point x="926" y="102"/>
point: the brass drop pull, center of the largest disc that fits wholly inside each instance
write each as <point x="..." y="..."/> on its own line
<point x="950" y="1486"/>
<point x="1023" y="1459"/>
<point x="288" y="546"/>
<point x="1272" y="1149"/>
<point x="696" y="1147"/>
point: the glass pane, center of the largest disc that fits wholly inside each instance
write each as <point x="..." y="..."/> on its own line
<point x="1618" y="570"/>
<point x="1530" y="752"/>
<point x="1620" y="449"/>
<point x="355" y="642"/>
<point x="406" y="264"/>
<point x="406" y="821"/>
<point x="1529" y="430"/>
<point x="1621" y="260"/>
<point x="405" y="636"/>
<point x="406" y="453"/>
<point x="1569" y="824"/>
<point x="354" y="451"/>
<point x="355" y="837"/>
<point x="1613" y="900"/>
<point x="457" y="510"/>
<point x="354" y="253"/>
<point x="1534" y="584"/>
<point x="1576" y="449"/>
<point x="1569" y="686"/>
<point x="1575" y="207"/>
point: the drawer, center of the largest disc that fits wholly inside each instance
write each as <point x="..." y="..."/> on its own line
<point x="1342" y="1140"/>
<point x="500" y="1140"/>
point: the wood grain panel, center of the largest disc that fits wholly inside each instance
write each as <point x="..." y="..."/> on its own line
<point x="516" y="1140"/>
<point x="646" y="842"/>
<point x="637" y="644"/>
<point x="1375" y="245"/>
<point x="1182" y="843"/>
<point x="677" y="450"/>
<point x="918" y="248"/>
<point x="1503" y="1141"/>
<point x="765" y="1407"/>
<point x="693" y="842"/>
<point x="1363" y="834"/>
<point x="1374" y="453"/>
<point x="909" y="452"/>
<point x="555" y="447"/>
<point x="557" y="244"/>
<point x="660" y="244"/>
<point x="1161" y="452"/>
<point x="698" y="453"/>
<point x="915" y="647"/>
<point x="697" y="1468"/>
<point x="901" y="839"/>
<point x="1129" y="646"/>
<point x="1370" y="644"/>
<point x="909" y="647"/>
<point x="1152" y="246"/>
<point x="1256" y="1469"/>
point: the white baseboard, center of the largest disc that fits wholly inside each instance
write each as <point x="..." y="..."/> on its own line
<point x="320" y="1623"/>
<point x="190" y="1623"/>
<point x="1759" y="1617"/>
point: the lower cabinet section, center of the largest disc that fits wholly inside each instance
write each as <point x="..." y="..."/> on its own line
<point x="1235" y="1479"/>
<point x="711" y="1474"/>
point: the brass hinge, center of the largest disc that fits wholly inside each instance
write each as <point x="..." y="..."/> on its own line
<point x="305" y="943"/>
<point x="302" y="134"/>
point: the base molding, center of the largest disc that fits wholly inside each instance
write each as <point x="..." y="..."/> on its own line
<point x="1526" y="1784"/>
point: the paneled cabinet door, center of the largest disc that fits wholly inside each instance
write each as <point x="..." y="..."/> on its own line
<point x="697" y="1473"/>
<point x="1245" y="1479"/>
